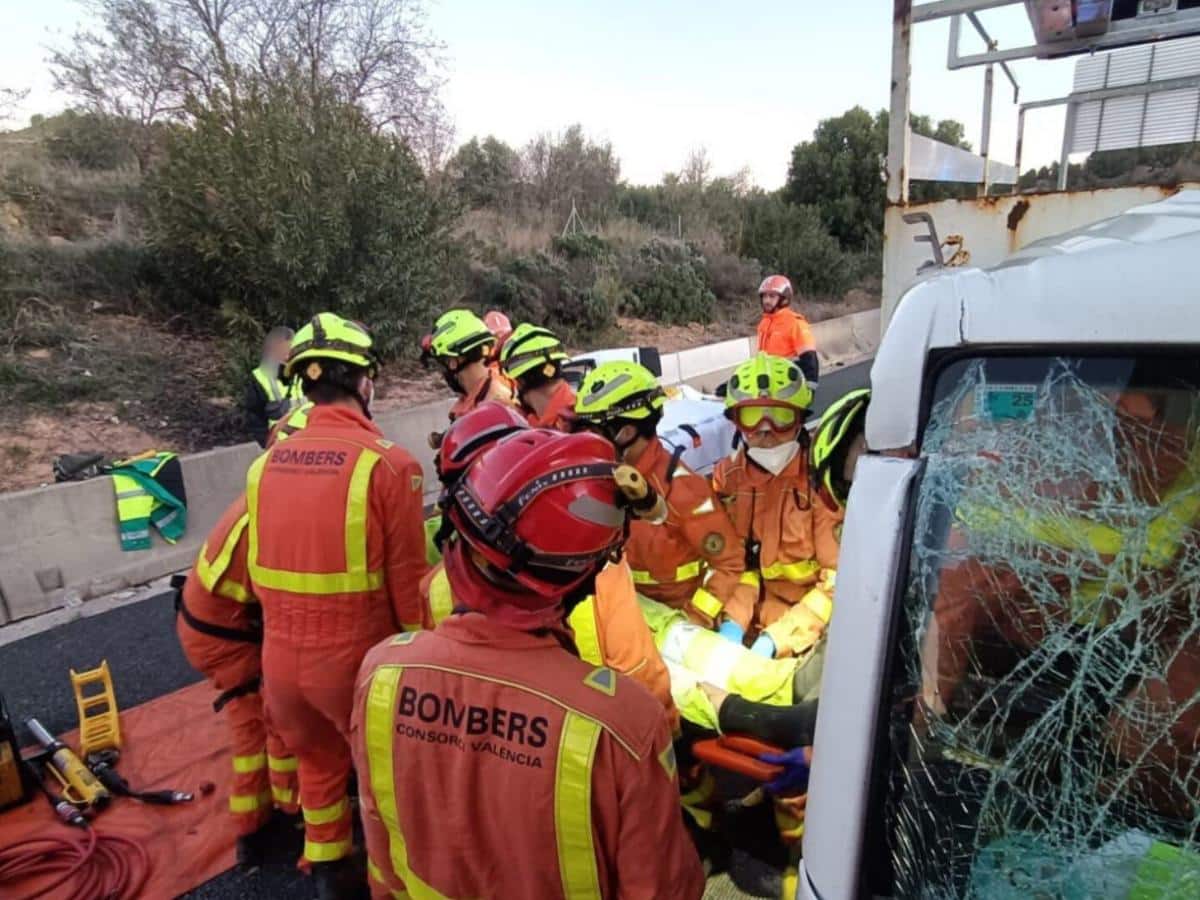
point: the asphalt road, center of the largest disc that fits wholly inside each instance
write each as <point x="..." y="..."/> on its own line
<point x="139" y="643"/>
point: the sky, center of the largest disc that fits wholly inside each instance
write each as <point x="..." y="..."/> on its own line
<point x="661" y="78"/>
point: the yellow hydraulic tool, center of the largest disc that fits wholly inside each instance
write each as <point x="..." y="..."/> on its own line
<point x="645" y="501"/>
<point x="79" y="784"/>
<point x="99" y="725"/>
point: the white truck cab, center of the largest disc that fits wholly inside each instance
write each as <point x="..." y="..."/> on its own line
<point x="1011" y="698"/>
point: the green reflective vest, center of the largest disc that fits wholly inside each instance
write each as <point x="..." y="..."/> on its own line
<point x="142" y="501"/>
<point x="281" y="397"/>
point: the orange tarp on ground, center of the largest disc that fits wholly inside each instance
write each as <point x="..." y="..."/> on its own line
<point x="176" y="742"/>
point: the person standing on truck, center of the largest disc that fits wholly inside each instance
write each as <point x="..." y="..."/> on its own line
<point x="789" y="542"/>
<point x="693" y="560"/>
<point x="532" y="357"/>
<point x="461" y="344"/>
<point x="219" y="626"/>
<point x="558" y="776"/>
<point x="607" y="625"/>
<point x="269" y="395"/>
<point x="784" y="332"/>
<point x="336" y="553"/>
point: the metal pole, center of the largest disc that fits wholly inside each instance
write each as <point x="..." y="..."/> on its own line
<point x="899" y="135"/>
<point x="1016" y="189"/>
<point x="985" y="139"/>
<point x="1065" y="159"/>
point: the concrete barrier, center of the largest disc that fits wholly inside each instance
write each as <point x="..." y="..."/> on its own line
<point x="59" y="544"/>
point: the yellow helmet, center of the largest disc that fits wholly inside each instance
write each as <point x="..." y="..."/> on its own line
<point x="330" y="337"/>
<point x="840" y="424"/>
<point x="770" y="387"/>
<point x="457" y="333"/>
<point x="529" y="348"/>
<point x="619" y="390"/>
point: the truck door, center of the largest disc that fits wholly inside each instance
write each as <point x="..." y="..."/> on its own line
<point x="1040" y="708"/>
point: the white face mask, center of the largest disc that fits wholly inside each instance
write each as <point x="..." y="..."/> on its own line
<point x="774" y="459"/>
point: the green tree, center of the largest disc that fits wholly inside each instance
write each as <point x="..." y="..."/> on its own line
<point x="793" y="240"/>
<point x="303" y="206"/>
<point x="486" y="173"/>
<point x="571" y="166"/>
<point x="841" y="172"/>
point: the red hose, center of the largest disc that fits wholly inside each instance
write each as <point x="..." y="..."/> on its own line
<point x="88" y="865"/>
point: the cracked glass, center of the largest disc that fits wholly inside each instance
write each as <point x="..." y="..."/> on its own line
<point x="1043" y="730"/>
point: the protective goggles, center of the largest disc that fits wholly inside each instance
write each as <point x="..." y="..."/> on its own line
<point x="778" y="417"/>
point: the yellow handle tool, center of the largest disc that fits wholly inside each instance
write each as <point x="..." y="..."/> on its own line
<point x="81" y="784"/>
<point x="645" y="501"/>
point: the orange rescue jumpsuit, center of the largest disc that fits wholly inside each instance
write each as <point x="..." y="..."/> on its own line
<point x="796" y="531"/>
<point x="336" y="554"/>
<point x="495" y="387"/>
<point x="220" y="631"/>
<point x="559" y="413"/>
<point x="608" y="629"/>
<point x="492" y="763"/>
<point x="694" y="560"/>
<point x="785" y="333"/>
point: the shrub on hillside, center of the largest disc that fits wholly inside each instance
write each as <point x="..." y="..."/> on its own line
<point x="90" y="140"/>
<point x="669" y="283"/>
<point x="110" y="271"/>
<point x="574" y="298"/>
<point x="282" y="207"/>
<point x="793" y="241"/>
<point x="731" y="276"/>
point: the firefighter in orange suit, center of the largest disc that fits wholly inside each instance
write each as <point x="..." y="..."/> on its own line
<point x="336" y="553"/>
<point x="789" y="533"/>
<point x="784" y="332"/>
<point x="492" y="761"/>
<point x="607" y="625"/>
<point x="692" y="561"/>
<point x="532" y="357"/>
<point x="220" y="630"/>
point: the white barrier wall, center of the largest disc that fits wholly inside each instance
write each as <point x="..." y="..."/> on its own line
<point x="59" y="544"/>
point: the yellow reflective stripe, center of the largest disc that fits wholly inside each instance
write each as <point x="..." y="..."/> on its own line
<point x="244" y="764"/>
<point x="231" y="590"/>
<point x="270" y="385"/>
<point x="380" y="718"/>
<point x="356" y="578"/>
<point x="587" y="637"/>
<point x="686" y="572"/>
<point x="210" y="572"/>
<point x="751" y="579"/>
<point x="797" y="571"/>
<point x="326" y="851"/>
<point x="283" y="795"/>
<point x="376" y="875"/>
<point x="573" y="807"/>
<point x="441" y="598"/>
<point x="248" y="803"/>
<point x="283" y="763"/>
<point x="818" y="603"/>
<point x="326" y="815"/>
<point x="707" y="603"/>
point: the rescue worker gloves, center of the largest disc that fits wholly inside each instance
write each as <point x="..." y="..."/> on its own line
<point x="763" y="646"/>
<point x="539" y="515"/>
<point x="840" y="425"/>
<point x="767" y="388"/>
<point x="532" y="354"/>
<point x="327" y="336"/>
<point x="732" y="631"/>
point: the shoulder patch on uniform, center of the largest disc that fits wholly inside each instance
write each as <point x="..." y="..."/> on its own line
<point x="714" y="543"/>
<point x="705" y="507"/>
<point x="602" y="679"/>
<point x="404" y="637"/>
<point x="667" y="760"/>
<point x="417" y="482"/>
<point x="385" y="444"/>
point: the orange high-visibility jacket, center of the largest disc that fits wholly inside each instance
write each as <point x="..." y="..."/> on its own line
<point x="694" y="560"/>
<point x="493" y="763"/>
<point x="495" y="387"/>
<point x="785" y="333"/>
<point x="559" y="412"/>
<point x="607" y="626"/>
<point x="796" y="531"/>
<point x="336" y="544"/>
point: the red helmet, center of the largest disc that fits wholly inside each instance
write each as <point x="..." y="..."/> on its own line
<point x="777" y="284"/>
<point x="498" y="324"/>
<point x="541" y="509"/>
<point x="472" y="433"/>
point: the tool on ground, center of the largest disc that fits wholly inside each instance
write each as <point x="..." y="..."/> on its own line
<point x="79" y="784"/>
<point x="645" y="501"/>
<point x="99" y="722"/>
<point x="740" y="754"/>
<point x="102" y="765"/>
<point x="14" y="780"/>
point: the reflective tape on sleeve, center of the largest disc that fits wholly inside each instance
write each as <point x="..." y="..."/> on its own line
<point x="573" y="808"/>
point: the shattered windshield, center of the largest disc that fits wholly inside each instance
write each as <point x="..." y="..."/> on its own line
<point x="1044" y="722"/>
